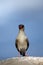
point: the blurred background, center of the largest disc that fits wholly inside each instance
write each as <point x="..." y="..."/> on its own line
<point x="13" y="13"/>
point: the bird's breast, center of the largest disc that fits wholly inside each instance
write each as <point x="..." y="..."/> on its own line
<point x="21" y="38"/>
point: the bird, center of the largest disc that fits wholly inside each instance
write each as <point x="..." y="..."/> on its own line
<point x="21" y="42"/>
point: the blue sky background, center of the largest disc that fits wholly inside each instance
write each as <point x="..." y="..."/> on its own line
<point x="13" y="13"/>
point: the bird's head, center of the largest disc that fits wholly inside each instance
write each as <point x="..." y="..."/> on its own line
<point x="21" y="27"/>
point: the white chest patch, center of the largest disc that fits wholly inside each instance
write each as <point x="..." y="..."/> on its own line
<point x="21" y="36"/>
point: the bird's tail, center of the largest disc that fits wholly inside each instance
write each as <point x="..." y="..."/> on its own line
<point x="22" y="52"/>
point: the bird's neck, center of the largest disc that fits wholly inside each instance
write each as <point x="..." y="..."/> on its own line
<point x="21" y="35"/>
<point x="21" y="31"/>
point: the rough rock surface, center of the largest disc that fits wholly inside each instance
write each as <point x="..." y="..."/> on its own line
<point x="23" y="61"/>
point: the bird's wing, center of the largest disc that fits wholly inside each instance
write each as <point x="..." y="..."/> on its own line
<point x="27" y="43"/>
<point x="16" y="44"/>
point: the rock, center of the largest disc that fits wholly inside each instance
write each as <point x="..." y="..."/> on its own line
<point x="23" y="61"/>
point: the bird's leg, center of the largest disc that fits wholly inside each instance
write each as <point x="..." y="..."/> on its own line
<point x="26" y="55"/>
<point x="18" y="54"/>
